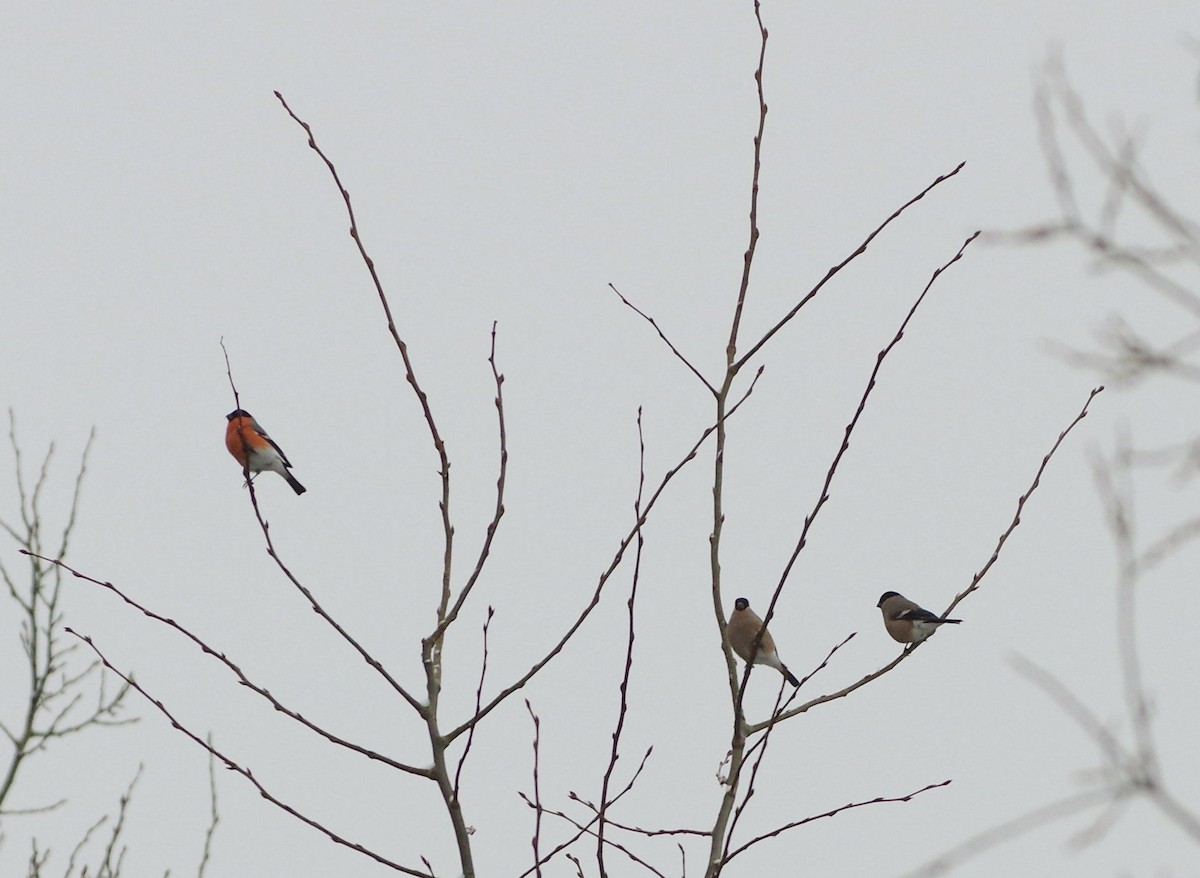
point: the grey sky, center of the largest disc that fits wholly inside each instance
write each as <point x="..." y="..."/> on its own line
<point x="508" y="162"/>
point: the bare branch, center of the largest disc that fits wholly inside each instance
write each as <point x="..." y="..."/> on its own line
<point x="214" y="817"/>
<point x="410" y="375"/>
<point x="976" y="579"/>
<point x="1021" y="501"/>
<point x="876" y="801"/>
<point x="581" y="830"/>
<point x="737" y="742"/>
<point x="585" y="829"/>
<point x="604" y="577"/>
<point x="997" y="835"/>
<point x="666" y="340"/>
<point x="823" y="496"/>
<point x="494" y="524"/>
<point x="783" y="321"/>
<point x="53" y="702"/>
<point x="241" y="676"/>
<point x="246" y="772"/>
<point x="752" y="246"/>
<point x="478" y="700"/>
<point x="614" y="754"/>
<point x="536" y="841"/>
<point x="1074" y="708"/>
<point x="308" y="595"/>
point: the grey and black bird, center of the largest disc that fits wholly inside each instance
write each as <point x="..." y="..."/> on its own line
<point x="908" y="622"/>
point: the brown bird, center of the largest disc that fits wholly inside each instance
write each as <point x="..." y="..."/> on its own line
<point x="907" y="622"/>
<point x="743" y="627"/>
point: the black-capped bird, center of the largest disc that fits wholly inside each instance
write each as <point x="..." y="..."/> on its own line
<point x="742" y="628"/>
<point x="907" y="622"/>
<point x="255" y="450"/>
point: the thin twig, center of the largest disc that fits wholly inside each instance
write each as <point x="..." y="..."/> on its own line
<point x="536" y="841"/>
<point x="614" y="753"/>
<point x="246" y="772"/>
<point x="990" y="838"/>
<point x="666" y="340"/>
<point x="366" y="656"/>
<point x="1021" y="501"/>
<point x="752" y="245"/>
<point x="213" y="817"/>
<point x="581" y="830"/>
<point x="976" y="579"/>
<point x="876" y="801"/>
<point x="498" y="512"/>
<point x="410" y="375"/>
<point x="478" y="699"/>
<point x="586" y="829"/>
<point x="241" y="676"/>
<point x="783" y="321"/>
<point x="831" y="472"/>
<point x="670" y="474"/>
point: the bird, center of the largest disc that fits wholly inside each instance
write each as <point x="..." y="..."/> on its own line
<point x="255" y="450"/>
<point x="907" y="622"/>
<point x="741" y="630"/>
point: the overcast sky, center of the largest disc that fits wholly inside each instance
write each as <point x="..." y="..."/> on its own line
<point x="507" y="163"/>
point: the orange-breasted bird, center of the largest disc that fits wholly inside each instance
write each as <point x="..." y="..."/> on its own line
<point x="255" y="450"/>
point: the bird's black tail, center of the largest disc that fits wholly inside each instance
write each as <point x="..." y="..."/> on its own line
<point x="300" y="489"/>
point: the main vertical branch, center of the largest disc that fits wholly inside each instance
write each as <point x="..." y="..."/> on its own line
<point x="748" y="259"/>
<point x="431" y="647"/>
<point x="738" y="740"/>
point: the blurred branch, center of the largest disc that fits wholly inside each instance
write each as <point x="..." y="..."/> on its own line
<point x="1018" y="826"/>
<point x="56" y="699"/>
<point x="1123" y="355"/>
<point x="1126" y="771"/>
<point x="108" y="865"/>
<point x="214" y="817"/>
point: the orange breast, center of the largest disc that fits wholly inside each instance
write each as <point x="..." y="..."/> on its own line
<point x="240" y="436"/>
